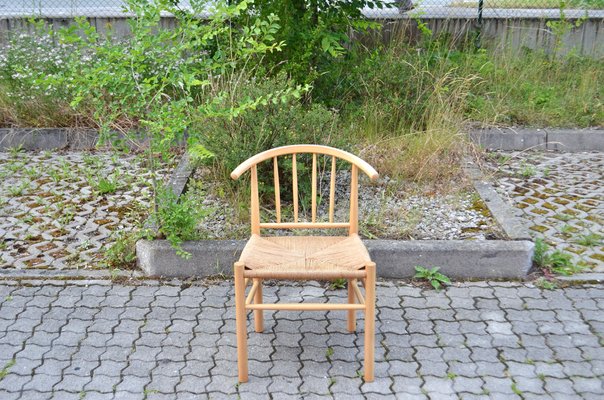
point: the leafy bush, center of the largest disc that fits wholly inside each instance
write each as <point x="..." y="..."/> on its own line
<point x="282" y="122"/>
<point x="178" y="218"/>
<point x="156" y="81"/>
<point x="272" y="124"/>
<point x="316" y="31"/>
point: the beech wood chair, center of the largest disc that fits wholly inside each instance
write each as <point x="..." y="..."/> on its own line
<point x="304" y="257"/>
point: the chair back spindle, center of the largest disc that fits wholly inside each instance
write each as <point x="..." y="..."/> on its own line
<point x="295" y="186"/>
<point x="354" y="200"/>
<point x="332" y="189"/>
<point x="277" y="189"/>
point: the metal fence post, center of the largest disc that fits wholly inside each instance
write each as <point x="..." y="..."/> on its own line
<point x="479" y="24"/>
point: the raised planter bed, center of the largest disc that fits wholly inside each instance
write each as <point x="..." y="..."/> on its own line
<point x="459" y="259"/>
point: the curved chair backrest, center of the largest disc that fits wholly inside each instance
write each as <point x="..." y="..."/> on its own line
<point x="356" y="164"/>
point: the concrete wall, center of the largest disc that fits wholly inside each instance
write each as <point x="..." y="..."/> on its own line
<point x="500" y="33"/>
<point x="516" y="32"/>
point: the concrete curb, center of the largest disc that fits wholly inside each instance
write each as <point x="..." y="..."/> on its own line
<point x="458" y="259"/>
<point x="38" y="139"/>
<point x="563" y="140"/>
<point x="48" y="138"/>
<point x="508" y="218"/>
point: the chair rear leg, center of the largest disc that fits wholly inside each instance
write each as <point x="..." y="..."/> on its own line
<point x="369" y="321"/>
<point x="352" y="317"/>
<point x="258" y="314"/>
<point x="241" y="322"/>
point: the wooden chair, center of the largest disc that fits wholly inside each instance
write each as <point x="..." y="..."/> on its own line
<point x="304" y="257"/>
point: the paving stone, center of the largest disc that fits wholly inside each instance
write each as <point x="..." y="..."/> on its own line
<point x="380" y="386"/>
<point x="438" y="386"/>
<point x="14" y="382"/>
<point x="103" y="383"/>
<point x="580" y="369"/>
<point x="34" y="395"/>
<point x="133" y="384"/>
<point x="588" y="385"/>
<point x="529" y="384"/>
<point x="72" y="383"/>
<point x="163" y="384"/>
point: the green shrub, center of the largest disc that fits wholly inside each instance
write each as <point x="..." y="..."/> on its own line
<point x="315" y="32"/>
<point x="178" y="218"/>
<point x="269" y="125"/>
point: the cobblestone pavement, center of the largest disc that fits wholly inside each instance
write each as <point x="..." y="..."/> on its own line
<point x="97" y="340"/>
<point x="562" y="194"/>
<point x="60" y="210"/>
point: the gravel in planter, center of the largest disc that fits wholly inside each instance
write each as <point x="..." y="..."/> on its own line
<point x="387" y="210"/>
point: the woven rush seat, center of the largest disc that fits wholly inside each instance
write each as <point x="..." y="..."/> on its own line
<point x="305" y="257"/>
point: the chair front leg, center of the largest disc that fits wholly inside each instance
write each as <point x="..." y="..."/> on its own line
<point x="241" y="322"/>
<point x="258" y="314"/>
<point x="352" y="318"/>
<point x="369" y="321"/>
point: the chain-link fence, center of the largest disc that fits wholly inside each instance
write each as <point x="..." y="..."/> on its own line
<point x="469" y="9"/>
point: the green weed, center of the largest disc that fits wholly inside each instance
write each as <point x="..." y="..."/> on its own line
<point x="106" y="185"/>
<point x="122" y="253"/>
<point x="177" y="218"/>
<point x="6" y="369"/>
<point x="339" y="283"/>
<point x="329" y="353"/>
<point x="589" y="240"/>
<point x="435" y="278"/>
<point x="563" y="217"/>
<point x="546" y="284"/>
<point x="527" y="170"/>
<point x="566" y="229"/>
<point x="15" y="151"/>
<point x="19" y="189"/>
<point x="556" y="261"/>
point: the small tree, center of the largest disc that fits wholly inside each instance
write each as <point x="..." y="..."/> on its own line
<point x="150" y="86"/>
<point x="314" y="30"/>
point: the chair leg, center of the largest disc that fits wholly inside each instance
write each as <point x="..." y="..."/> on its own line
<point x="352" y="318"/>
<point x="241" y="322"/>
<point x="258" y="314"/>
<point x="369" y="321"/>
